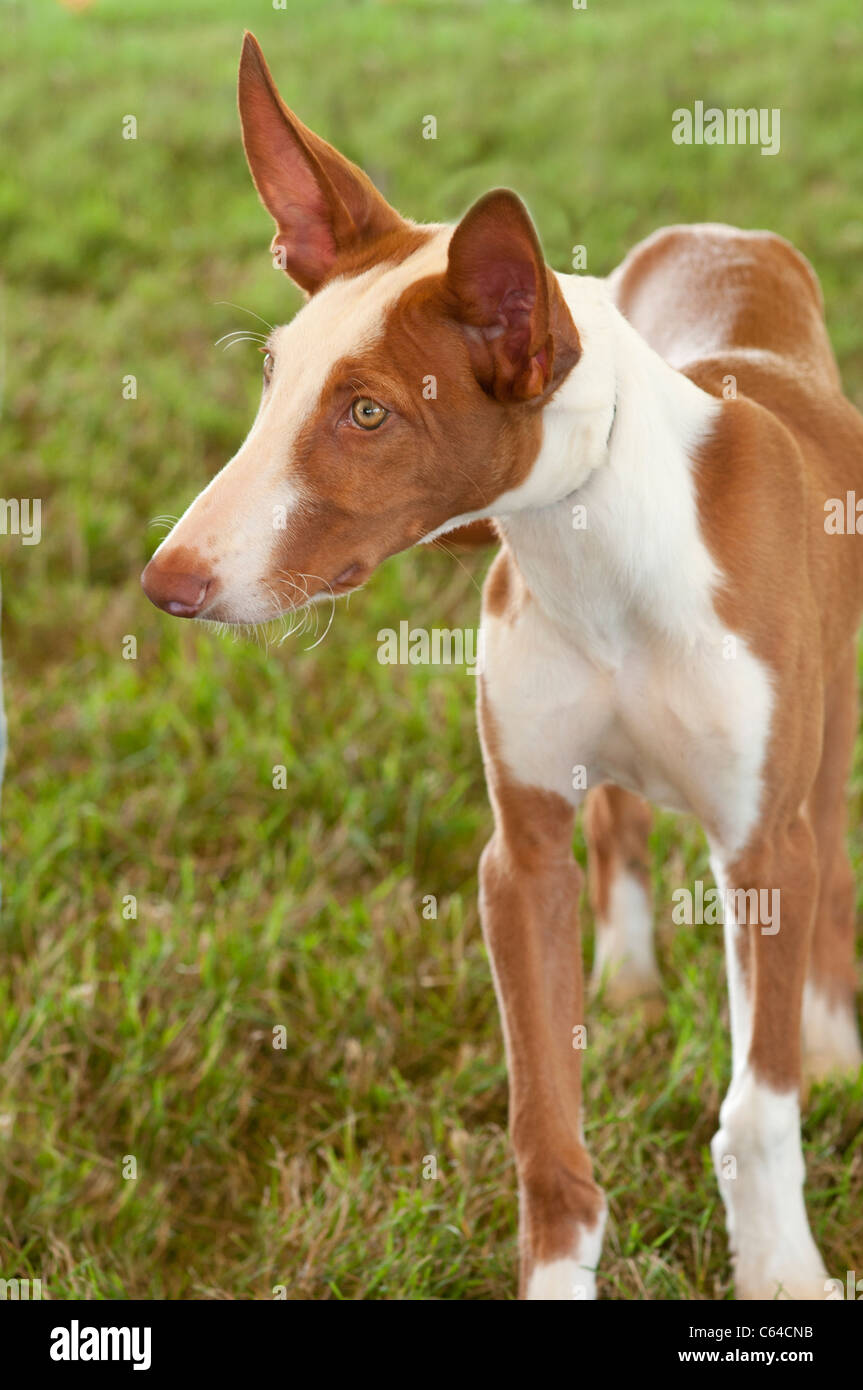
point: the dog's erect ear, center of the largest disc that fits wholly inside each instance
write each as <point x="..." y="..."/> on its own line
<point x="519" y="333"/>
<point x="323" y="204"/>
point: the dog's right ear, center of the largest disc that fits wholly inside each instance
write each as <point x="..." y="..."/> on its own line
<point x="323" y="205"/>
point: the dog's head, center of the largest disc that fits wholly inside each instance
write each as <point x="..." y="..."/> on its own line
<point x="403" y="398"/>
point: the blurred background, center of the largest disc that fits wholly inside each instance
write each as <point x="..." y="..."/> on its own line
<point x="165" y="908"/>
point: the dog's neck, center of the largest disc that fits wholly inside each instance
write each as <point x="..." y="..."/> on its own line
<point x="609" y="542"/>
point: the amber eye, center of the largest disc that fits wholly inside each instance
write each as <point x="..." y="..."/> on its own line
<point x="268" y="366"/>
<point x="367" y="413"/>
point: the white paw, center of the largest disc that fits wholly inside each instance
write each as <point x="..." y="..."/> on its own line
<point x="759" y="1163"/>
<point x="624" y="964"/>
<point x="572" y="1277"/>
<point x="831" y="1040"/>
<point x="782" y="1275"/>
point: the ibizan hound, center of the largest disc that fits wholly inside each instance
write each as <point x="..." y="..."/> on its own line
<point x="668" y="618"/>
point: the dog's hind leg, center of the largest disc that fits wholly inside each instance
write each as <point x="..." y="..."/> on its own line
<point x="616" y="826"/>
<point x="831" y="1041"/>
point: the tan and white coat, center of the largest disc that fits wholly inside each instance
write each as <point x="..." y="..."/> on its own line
<point x="692" y="644"/>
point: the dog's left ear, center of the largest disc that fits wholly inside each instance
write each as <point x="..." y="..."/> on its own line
<point x="520" y="335"/>
<point x="323" y="205"/>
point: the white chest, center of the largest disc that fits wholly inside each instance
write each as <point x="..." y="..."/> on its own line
<point x="685" y="726"/>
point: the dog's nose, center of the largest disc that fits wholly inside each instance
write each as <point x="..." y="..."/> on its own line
<point x="181" y="595"/>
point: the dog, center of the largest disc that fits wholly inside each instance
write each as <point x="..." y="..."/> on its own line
<point x="671" y="618"/>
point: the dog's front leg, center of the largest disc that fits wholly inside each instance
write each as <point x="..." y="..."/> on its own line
<point x="529" y="889"/>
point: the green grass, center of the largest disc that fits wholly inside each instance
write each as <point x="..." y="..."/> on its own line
<point x="256" y="908"/>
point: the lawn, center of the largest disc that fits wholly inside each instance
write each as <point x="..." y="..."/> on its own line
<point x="165" y="907"/>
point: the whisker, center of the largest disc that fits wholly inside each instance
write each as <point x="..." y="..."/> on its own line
<point x="227" y="303"/>
<point x="242" y="333"/>
<point x="165" y="523"/>
<point x="244" y="338"/>
<point x="296" y="617"/>
<point x="301" y="618"/>
<point x="332" y="609"/>
<point x="438" y="544"/>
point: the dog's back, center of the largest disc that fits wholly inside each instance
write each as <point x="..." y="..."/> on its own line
<point x="702" y="291"/>
<point x="741" y="314"/>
